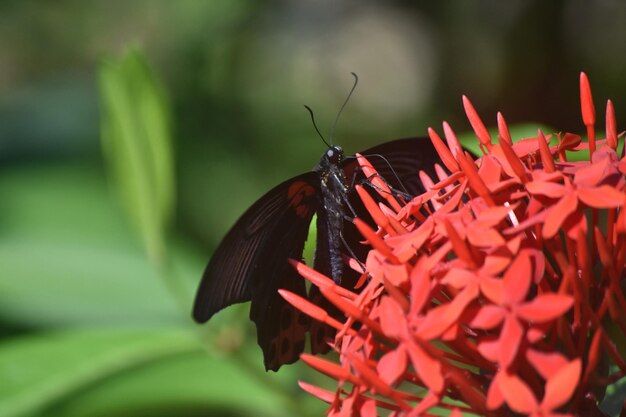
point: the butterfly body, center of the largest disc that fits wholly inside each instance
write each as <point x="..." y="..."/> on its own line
<point x="251" y="262"/>
<point x="330" y="220"/>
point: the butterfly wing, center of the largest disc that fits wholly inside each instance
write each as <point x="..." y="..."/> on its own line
<point x="251" y="264"/>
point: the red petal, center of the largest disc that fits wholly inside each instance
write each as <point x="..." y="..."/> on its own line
<point x="603" y="196"/>
<point x="475" y="181"/>
<point x="458" y="278"/>
<point x="570" y="141"/>
<point x="593" y="173"/>
<point x="546" y="156"/>
<point x="368" y="409"/>
<point x="494" y="395"/>
<point x="549" y="189"/>
<point x="513" y="160"/>
<point x="443" y="151"/>
<point x="350" y="309"/>
<point x="545" y="307"/>
<point x="372" y="207"/>
<point x="517" y="279"/>
<point x="477" y="124"/>
<point x="529" y="222"/>
<point x="322" y="394"/>
<point x="484" y="237"/>
<point x="535" y="334"/>
<point x="493" y="289"/>
<point x="328" y="368"/>
<point x="439" y="319"/>
<point x="453" y="142"/>
<point x="458" y="244"/>
<point x="489" y="348"/>
<point x="546" y="363"/>
<point x="558" y="213"/>
<point x="510" y="340"/>
<point x="406" y="246"/>
<point x="453" y="202"/>
<point x="392" y="365"/>
<point x="488" y="317"/>
<point x="517" y="394"/>
<point x="420" y="290"/>
<point x="496" y="262"/>
<point x="392" y="318"/>
<point x="490" y="169"/>
<point x="375" y="240"/>
<point x="397" y="275"/>
<point x="321" y="280"/>
<point x="562" y="385"/>
<point x="491" y="216"/>
<point x="503" y="129"/>
<point x="427" y="368"/>
<point x="369" y="375"/>
<point x="575" y="224"/>
<point x="309" y="309"/>
<point x="527" y="146"/>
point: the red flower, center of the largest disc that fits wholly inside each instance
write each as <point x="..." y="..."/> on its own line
<point x="506" y="297"/>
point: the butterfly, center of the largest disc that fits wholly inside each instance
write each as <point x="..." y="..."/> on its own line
<point x="251" y="262"/>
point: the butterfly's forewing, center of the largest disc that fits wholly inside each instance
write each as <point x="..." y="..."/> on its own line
<point x="251" y="264"/>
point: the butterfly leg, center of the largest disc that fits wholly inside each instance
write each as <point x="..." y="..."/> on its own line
<point x="352" y="254"/>
<point x="344" y="197"/>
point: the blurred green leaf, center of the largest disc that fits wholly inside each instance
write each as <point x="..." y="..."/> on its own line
<point x="613" y="401"/>
<point x="38" y="370"/>
<point x="191" y="384"/>
<point x="135" y="130"/>
<point x="72" y="260"/>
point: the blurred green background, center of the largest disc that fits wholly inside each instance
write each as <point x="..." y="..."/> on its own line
<point x="120" y="170"/>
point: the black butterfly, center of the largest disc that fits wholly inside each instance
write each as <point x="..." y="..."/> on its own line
<point x="250" y="263"/>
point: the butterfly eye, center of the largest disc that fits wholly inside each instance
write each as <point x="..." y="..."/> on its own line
<point x="334" y="154"/>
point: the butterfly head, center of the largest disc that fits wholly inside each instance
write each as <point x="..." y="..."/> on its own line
<point x="334" y="155"/>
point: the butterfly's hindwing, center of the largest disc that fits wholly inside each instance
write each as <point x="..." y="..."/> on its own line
<point x="403" y="159"/>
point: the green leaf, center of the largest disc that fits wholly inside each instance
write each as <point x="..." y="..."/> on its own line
<point x="38" y="370"/>
<point x="192" y="384"/>
<point x="613" y="401"/>
<point x="73" y="260"/>
<point x="136" y="138"/>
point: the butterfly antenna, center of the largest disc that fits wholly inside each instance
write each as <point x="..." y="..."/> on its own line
<point x="315" y="125"/>
<point x="332" y="130"/>
<point x="391" y="168"/>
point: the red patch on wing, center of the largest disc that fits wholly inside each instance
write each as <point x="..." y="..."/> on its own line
<point x="298" y="194"/>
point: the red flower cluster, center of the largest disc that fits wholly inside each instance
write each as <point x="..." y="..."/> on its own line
<point x="499" y="287"/>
